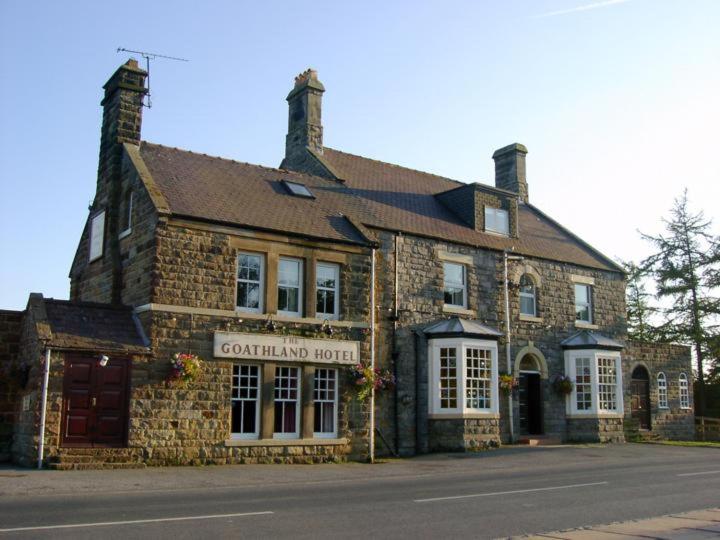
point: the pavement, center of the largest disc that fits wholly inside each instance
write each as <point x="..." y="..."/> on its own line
<point x="697" y="525"/>
<point x="639" y="491"/>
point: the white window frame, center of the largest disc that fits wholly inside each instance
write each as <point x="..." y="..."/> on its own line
<point x="461" y="346"/>
<point x="662" y="391"/>
<point x="588" y="304"/>
<point x="453" y="284"/>
<point x="335" y="315"/>
<point x="532" y="295"/>
<point x="320" y="396"/>
<point x="128" y="215"/>
<point x="300" y="287"/>
<point x="97" y="236"/>
<point x="571" y="370"/>
<point x="497" y="220"/>
<point x="260" y="282"/>
<point x="257" y="400"/>
<point x="298" y="402"/>
<point x="684" y="391"/>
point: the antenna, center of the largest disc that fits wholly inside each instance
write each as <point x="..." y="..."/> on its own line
<point x="147" y="56"/>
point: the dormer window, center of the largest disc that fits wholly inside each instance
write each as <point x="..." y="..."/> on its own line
<point x="298" y="190"/>
<point x="497" y="221"/>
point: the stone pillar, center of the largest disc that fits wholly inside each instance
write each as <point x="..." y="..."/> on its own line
<point x="267" y="413"/>
<point x="510" y="173"/>
<point x="307" y="426"/>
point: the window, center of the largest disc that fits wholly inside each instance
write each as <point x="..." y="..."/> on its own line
<point x="97" y="236"/>
<point x="250" y="282"/>
<point x="607" y="384"/>
<point x="583" y="303"/>
<point x="126" y="214"/>
<point x="662" y="391"/>
<point x="527" y="296"/>
<point x="463" y="374"/>
<point x="583" y="384"/>
<point x="290" y="287"/>
<point x="598" y="382"/>
<point x="325" y="403"/>
<point x="684" y="392"/>
<point x="245" y="402"/>
<point x="287" y="402"/>
<point x="297" y="189"/>
<point x="327" y="285"/>
<point x="455" y="285"/>
<point x="496" y="220"/>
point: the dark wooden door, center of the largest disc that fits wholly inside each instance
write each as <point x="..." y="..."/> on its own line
<point x="530" y="404"/>
<point x="95" y="404"/>
<point x="640" y="402"/>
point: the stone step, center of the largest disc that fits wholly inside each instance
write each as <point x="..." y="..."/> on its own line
<point x="539" y="440"/>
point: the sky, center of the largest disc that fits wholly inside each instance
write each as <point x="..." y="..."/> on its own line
<point x="618" y="102"/>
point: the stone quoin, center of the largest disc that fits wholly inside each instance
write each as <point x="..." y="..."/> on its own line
<point x="491" y="323"/>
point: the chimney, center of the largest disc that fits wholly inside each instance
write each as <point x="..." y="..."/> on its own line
<point x="122" y="118"/>
<point x="510" y="170"/>
<point x="304" y="117"/>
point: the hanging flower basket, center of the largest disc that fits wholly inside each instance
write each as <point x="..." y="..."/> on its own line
<point x="364" y="379"/>
<point x="184" y="368"/>
<point x="563" y="385"/>
<point x="507" y="383"/>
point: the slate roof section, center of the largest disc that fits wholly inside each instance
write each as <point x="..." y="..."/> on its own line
<point x="457" y="327"/>
<point x="585" y="339"/>
<point x="93" y="327"/>
<point x="370" y="194"/>
<point x="225" y="191"/>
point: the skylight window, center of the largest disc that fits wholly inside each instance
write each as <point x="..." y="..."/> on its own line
<point x="299" y="190"/>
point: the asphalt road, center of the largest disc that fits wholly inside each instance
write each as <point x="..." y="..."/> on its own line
<point x="494" y="494"/>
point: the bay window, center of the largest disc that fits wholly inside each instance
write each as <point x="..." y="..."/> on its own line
<point x="597" y="379"/>
<point x="463" y="377"/>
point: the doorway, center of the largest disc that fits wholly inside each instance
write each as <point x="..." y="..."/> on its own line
<point x="640" y="397"/>
<point x="530" y="399"/>
<point x="95" y="402"/>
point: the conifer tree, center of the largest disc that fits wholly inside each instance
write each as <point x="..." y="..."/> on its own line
<point x="686" y="268"/>
<point x="639" y="310"/>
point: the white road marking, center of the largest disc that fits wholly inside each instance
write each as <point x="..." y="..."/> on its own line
<point x="132" y="522"/>
<point x="698" y="473"/>
<point x="508" y="492"/>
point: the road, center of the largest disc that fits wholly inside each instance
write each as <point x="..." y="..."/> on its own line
<point x="494" y="494"/>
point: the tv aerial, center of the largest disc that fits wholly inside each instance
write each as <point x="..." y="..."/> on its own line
<point x="150" y="56"/>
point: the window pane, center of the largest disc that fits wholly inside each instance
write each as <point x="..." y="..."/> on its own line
<point x="581" y="293"/>
<point x="527" y="305"/>
<point x="289" y="273"/>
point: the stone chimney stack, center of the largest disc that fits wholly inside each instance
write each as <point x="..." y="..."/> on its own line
<point x="304" y="117"/>
<point x="510" y="170"/>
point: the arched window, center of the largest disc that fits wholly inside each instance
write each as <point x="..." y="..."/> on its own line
<point x="528" y="304"/>
<point x="684" y="392"/>
<point x="662" y="391"/>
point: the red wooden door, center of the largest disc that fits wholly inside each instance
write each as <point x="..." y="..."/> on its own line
<point x="95" y="402"/>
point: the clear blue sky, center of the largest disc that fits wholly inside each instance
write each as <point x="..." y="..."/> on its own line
<point x="617" y="102"/>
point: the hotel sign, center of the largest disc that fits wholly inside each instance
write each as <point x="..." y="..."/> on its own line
<point x="285" y="348"/>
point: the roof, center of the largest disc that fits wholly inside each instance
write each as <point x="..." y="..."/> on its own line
<point x="585" y="339"/>
<point x="457" y="327"/>
<point x="371" y="193"/>
<point x="225" y="191"/>
<point x="89" y="326"/>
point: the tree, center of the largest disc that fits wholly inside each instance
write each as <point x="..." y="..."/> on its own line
<point x="639" y="309"/>
<point x="686" y="268"/>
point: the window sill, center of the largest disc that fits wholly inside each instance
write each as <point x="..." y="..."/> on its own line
<point x="458" y="310"/>
<point x="457" y="416"/>
<point x="580" y="416"/>
<point x="286" y="442"/>
<point x="125" y="233"/>
<point x="530" y="318"/>
<point x="585" y="325"/>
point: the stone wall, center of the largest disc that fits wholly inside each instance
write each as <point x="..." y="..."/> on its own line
<point x="463" y="434"/>
<point x="672" y="422"/>
<point x="603" y="430"/>
<point x="10" y="377"/>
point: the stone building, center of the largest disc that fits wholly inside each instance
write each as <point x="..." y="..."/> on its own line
<point x="282" y="280"/>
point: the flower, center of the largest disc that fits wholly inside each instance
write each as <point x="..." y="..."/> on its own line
<point x="184" y="368"/>
<point x="366" y="379"/>
<point x="507" y="383"/>
<point x="563" y="384"/>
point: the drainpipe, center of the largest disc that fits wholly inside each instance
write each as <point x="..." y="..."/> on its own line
<point x="43" y="407"/>
<point x="372" y="356"/>
<point x="395" y="353"/>
<point x="506" y="258"/>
